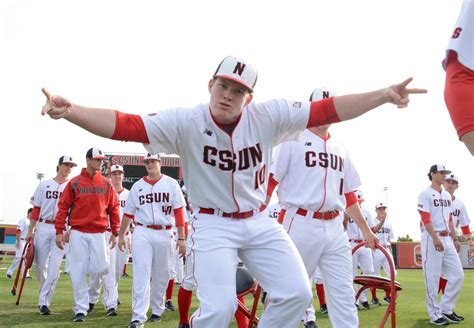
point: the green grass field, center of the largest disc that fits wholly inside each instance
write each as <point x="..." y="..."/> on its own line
<point x="411" y="311"/>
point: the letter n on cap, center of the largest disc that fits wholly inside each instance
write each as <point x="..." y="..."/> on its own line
<point x="239" y="68"/>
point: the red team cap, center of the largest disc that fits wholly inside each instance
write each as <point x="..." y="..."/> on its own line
<point x="150" y="156"/>
<point x="359" y="195"/>
<point x="452" y="177"/>
<point x="237" y="70"/>
<point x="116" y="167"/>
<point x="380" y="205"/>
<point x="66" y="159"/>
<point x="322" y="93"/>
<point x="95" y="153"/>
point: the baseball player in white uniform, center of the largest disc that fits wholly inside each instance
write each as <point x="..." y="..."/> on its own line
<point x="312" y="212"/>
<point x="459" y="66"/>
<point x="384" y="232"/>
<point x="226" y="150"/>
<point x="439" y="247"/>
<point x="48" y="256"/>
<point x="154" y="203"/>
<point x="21" y="238"/>
<point x="274" y="210"/>
<point x="363" y="257"/>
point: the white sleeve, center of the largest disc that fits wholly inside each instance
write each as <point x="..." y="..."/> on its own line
<point x="351" y="177"/>
<point x="464" y="217"/>
<point x="178" y="198"/>
<point x="130" y="204"/>
<point x="392" y="235"/>
<point x="423" y="203"/>
<point x="281" y="161"/>
<point x="36" y="199"/>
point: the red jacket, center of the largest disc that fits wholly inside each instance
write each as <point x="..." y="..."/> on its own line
<point x="89" y="203"/>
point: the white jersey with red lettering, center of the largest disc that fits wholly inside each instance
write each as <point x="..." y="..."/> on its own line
<point x="228" y="173"/>
<point x="122" y="257"/>
<point x="48" y="256"/>
<point x="384" y="235"/>
<point x="436" y="263"/>
<point x="462" y="39"/>
<point x="317" y="174"/>
<point x="22" y="231"/>
<point x="459" y="215"/>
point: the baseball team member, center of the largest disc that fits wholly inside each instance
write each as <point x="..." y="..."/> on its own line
<point x="21" y="238"/>
<point x="384" y="232"/>
<point x="90" y="201"/>
<point x="155" y="203"/>
<point x="363" y="257"/>
<point x="439" y="247"/>
<point x="317" y="279"/>
<point x="226" y="149"/>
<point x="48" y="255"/>
<point x="316" y="180"/>
<point x="459" y="66"/>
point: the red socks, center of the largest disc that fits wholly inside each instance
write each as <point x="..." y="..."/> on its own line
<point x="442" y="285"/>
<point x="184" y="304"/>
<point x="321" y="295"/>
<point x="169" y="290"/>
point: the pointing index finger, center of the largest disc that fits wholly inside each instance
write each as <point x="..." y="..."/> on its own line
<point x="46" y="93"/>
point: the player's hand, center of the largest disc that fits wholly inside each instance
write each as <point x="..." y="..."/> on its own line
<point x="457" y="245"/>
<point x="18" y="244"/>
<point x="438" y="244"/>
<point x="56" y="106"/>
<point x="60" y="241"/>
<point x="30" y="236"/>
<point x="181" y="247"/>
<point x="67" y="236"/>
<point x="112" y="241"/>
<point x="371" y="239"/>
<point x="121" y="243"/>
<point x="398" y="94"/>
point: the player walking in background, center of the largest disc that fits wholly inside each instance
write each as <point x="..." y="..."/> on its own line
<point x="363" y="257"/>
<point x="384" y="232"/>
<point x="21" y="238"/>
<point x="459" y="66"/>
<point x="226" y="148"/>
<point x="156" y="204"/>
<point x="312" y="212"/>
<point x="90" y="201"/>
<point x="439" y="248"/>
<point x="48" y="256"/>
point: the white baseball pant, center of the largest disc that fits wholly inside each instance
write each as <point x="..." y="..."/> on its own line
<point x="362" y="258"/>
<point x="380" y="261"/>
<point x="122" y="259"/>
<point x="17" y="259"/>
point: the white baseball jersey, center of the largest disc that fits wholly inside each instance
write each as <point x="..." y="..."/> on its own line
<point x="438" y="204"/>
<point x="233" y="170"/>
<point x="459" y="214"/>
<point x="122" y="198"/>
<point x="47" y="196"/>
<point x="462" y="39"/>
<point x="385" y="233"/>
<point x="23" y="227"/>
<point x="321" y="173"/>
<point x="274" y="210"/>
<point x="353" y="231"/>
<point x="153" y="203"/>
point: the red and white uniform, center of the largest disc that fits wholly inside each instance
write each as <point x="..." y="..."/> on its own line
<point x="22" y="230"/>
<point x="436" y="209"/>
<point x="274" y="210"/>
<point x="48" y="256"/>
<point x="152" y="204"/>
<point x="460" y="217"/>
<point x="314" y="175"/>
<point x="384" y="235"/>
<point x="122" y="257"/>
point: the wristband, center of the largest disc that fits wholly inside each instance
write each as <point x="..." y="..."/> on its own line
<point x="455" y="239"/>
<point x="181" y="239"/>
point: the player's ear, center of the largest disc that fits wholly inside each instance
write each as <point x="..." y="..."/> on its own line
<point x="210" y="84"/>
<point x="248" y="99"/>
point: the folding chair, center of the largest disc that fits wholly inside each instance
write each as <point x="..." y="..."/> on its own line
<point x="246" y="284"/>
<point x="386" y="284"/>
<point x="26" y="262"/>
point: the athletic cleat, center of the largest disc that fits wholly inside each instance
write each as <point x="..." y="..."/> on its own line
<point x="28" y="278"/>
<point x="323" y="309"/>
<point x="91" y="308"/>
<point x="357" y="306"/>
<point x="135" y="324"/>
<point x="376" y="301"/>
<point x="118" y="302"/>
<point x="451" y="318"/>
<point x="43" y="310"/>
<point x="9" y="276"/>
<point x="169" y="305"/>
<point x="155" y="318"/>
<point x="183" y="325"/>
<point x="124" y="275"/>
<point x="460" y="317"/>
<point x="387" y="299"/>
<point x="79" y="317"/>
<point x="440" y="322"/>
<point x="111" y="312"/>
<point x="310" y="324"/>
<point x="365" y="305"/>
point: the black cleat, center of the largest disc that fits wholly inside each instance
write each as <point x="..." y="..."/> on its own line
<point x="310" y="324"/>
<point x="118" y="302"/>
<point x="155" y="318"/>
<point x="451" y="318"/>
<point x="91" y="308"/>
<point x="9" y="276"/>
<point x="135" y="324"/>
<point x="79" y="317"/>
<point x="365" y="305"/>
<point x="28" y="278"/>
<point x="111" y="312"/>
<point x="169" y="305"/>
<point x="43" y="310"/>
<point x="460" y="317"/>
<point x="440" y="322"/>
<point x="323" y="309"/>
<point x="183" y="325"/>
<point x="387" y="299"/>
<point x="376" y="301"/>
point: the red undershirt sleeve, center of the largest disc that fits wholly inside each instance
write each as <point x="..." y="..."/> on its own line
<point x="272" y="183"/>
<point x="425" y="217"/>
<point x="322" y="112"/>
<point x="351" y="199"/>
<point x="465" y="230"/>
<point x="179" y="217"/>
<point x="35" y="213"/>
<point x="129" y="127"/>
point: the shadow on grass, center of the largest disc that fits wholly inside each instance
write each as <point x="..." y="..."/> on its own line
<point x="421" y="323"/>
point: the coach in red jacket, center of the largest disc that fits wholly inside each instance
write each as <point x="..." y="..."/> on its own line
<point x="90" y="201"/>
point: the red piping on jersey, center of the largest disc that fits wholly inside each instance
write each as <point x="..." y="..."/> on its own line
<point x="152" y="183"/>
<point x="424" y="270"/>
<point x="465" y="230"/>
<point x="322" y="112"/>
<point x="425" y="217"/>
<point x="35" y="213"/>
<point x="325" y="178"/>
<point x="129" y="127"/>
<point x="194" y="275"/>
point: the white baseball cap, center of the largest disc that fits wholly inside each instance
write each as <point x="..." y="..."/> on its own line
<point x="322" y="93"/>
<point x="359" y="195"/>
<point x="439" y="168"/>
<point x="380" y="205"/>
<point x="237" y="70"/>
<point x="116" y="167"/>
<point x="150" y="156"/>
<point x="95" y="153"/>
<point x="452" y="177"/>
<point x="66" y="159"/>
